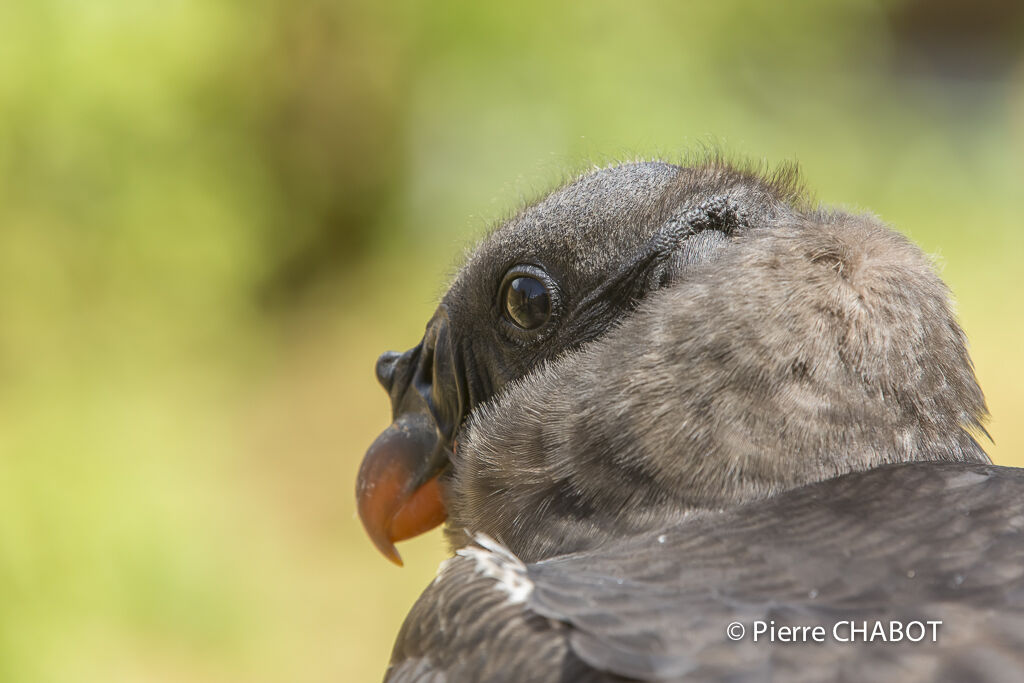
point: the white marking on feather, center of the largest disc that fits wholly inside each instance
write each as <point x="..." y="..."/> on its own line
<point x="495" y="561"/>
<point x="442" y="568"/>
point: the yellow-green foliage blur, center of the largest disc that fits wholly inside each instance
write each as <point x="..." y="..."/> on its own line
<point x="214" y="215"/>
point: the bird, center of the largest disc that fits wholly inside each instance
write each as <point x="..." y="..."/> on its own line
<point x="684" y="423"/>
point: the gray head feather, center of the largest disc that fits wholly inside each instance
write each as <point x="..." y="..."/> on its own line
<point x="786" y="346"/>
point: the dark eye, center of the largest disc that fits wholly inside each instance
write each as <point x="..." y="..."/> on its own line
<point x="527" y="301"/>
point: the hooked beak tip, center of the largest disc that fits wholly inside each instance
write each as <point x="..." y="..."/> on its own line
<point x="389" y="551"/>
<point x="377" y="499"/>
<point x="394" y="502"/>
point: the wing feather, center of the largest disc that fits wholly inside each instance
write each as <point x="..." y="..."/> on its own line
<point x="912" y="542"/>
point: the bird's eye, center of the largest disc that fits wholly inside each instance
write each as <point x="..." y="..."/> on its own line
<point x="527" y="300"/>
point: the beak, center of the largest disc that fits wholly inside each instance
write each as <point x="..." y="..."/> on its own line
<point x="398" y="492"/>
<point x="397" y="488"/>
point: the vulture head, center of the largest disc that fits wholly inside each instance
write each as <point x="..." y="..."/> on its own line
<point x="653" y="341"/>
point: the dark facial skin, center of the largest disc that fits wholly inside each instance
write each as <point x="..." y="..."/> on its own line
<point x="557" y="276"/>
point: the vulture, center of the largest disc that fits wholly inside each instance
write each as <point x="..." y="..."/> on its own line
<point x="685" y="424"/>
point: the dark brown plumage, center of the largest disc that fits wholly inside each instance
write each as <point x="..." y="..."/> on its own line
<point x="735" y="406"/>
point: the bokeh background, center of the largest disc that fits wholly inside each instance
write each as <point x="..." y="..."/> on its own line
<point x="214" y="215"/>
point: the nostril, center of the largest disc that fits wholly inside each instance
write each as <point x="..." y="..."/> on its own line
<point x="386" y="368"/>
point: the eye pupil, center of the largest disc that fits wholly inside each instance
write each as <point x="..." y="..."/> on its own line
<point x="527" y="302"/>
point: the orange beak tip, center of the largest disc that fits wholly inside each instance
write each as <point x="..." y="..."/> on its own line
<point x="393" y="556"/>
<point x="390" y="505"/>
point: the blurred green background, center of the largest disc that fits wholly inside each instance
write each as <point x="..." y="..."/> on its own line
<point x="214" y="215"/>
